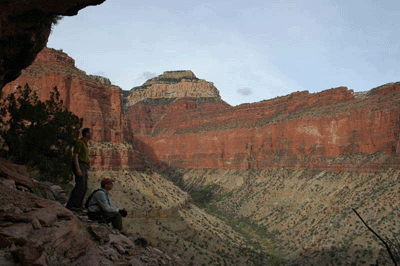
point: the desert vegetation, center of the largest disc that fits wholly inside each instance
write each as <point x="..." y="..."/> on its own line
<point x="304" y="216"/>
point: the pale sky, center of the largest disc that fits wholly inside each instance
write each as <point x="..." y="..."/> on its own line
<point x="251" y="50"/>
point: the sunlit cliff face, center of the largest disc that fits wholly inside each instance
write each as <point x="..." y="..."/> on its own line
<point x="195" y="128"/>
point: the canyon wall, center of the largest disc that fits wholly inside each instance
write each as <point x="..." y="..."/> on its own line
<point x="299" y="130"/>
<point x="98" y="103"/>
<point x="178" y="120"/>
<point x="291" y="167"/>
<point x="90" y="97"/>
<point x="173" y="84"/>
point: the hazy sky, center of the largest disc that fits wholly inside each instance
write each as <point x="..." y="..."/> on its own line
<point x="250" y="50"/>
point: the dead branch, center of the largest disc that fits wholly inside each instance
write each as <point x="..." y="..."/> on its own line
<point x="380" y="238"/>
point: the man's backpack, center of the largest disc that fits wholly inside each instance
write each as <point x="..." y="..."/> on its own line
<point x="90" y="197"/>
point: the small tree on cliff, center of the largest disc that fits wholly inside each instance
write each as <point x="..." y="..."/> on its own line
<point x="39" y="134"/>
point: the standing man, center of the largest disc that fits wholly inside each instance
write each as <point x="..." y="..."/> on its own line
<point x="100" y="207"/>
<point x="80" y="167"/>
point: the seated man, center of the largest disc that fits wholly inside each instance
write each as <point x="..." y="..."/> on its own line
<point x="100" y="207"/>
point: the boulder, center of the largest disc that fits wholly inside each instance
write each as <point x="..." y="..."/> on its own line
<point x="30" y="254"/>
<point x="18" y="173"/>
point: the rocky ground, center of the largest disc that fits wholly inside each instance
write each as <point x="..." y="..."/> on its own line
<point x="163" y="226"/>
<point x="39" y="231"/>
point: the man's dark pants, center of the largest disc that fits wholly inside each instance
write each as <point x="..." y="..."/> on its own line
<point x="114" y="217"/>
<point x="79" y="191"/>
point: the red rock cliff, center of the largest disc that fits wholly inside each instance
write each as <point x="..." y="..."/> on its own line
<point x="98" y="104"/>
<point x="173" y="84"/>
<point x="298" y="130"/>
<point x="301" y="130"/>
<point x="93" y="98"/>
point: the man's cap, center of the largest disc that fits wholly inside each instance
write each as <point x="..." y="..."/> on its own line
<point x="106" y="180"/>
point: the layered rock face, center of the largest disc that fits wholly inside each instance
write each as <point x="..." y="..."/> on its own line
<point x="94" y="99"/>
<point x="25" y="28"/>
<point x="114" y="156"/>
<point x="152" y="115"/>
<point x="173" y="129"/>
<point x="173" y="84"/>
<point x="298" y="130"/>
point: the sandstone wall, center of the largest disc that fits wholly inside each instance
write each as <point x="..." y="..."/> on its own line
<point x="172" y="114"/>
<point x="299" y="130"/>
<point x="114" y="156"/>
<point x="173" y="84"/>
<point x="99" y="105"/>
<point x="90" y="97"/>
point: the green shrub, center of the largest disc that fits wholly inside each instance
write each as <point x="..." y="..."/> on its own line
<point x="39" y="134"/>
